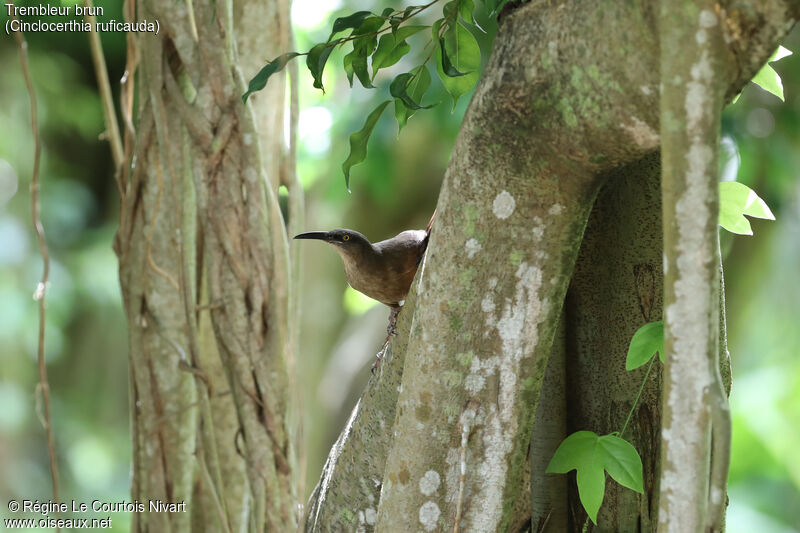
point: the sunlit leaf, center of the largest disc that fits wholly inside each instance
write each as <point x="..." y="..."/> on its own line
<point x="767" y="78"/>
<point x="416" y="90"/>
<point x="259" y="81"/>
<point x="647" y="340"/>
<point x="737" y="200"/>
<point x="348" y="22"/>
<point x="464" y="55"/>
<point x="358" y="142"/>
<point x="591" y="455"/>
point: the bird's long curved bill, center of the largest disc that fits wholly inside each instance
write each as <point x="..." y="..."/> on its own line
<point x="319" y="235"/>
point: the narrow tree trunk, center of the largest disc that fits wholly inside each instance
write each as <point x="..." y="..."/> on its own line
<point x="205" y="276"/>
<point x="693" y="45"/>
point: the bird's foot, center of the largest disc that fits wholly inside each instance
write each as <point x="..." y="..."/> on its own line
<point x="391" y="329"/>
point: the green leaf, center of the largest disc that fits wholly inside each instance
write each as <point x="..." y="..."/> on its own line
<point x="358" y="142"/>
<point x="591" y="456"/>
<point x="369" y="26"/>
<point x="449" y="10"/>
<point x="647" y="340"/>
<point x="388" y="53"/>
<point x="591" y="489"/>
<point x="622" y="462"/>
<point x="399" y="89"/>
<point x="494" y="6"/>
<point x="416" y="91"/>
<point x="317" y="57"/>
<point x="736" y="200"/>
<point x="577" y="449"/>
<point x="392" y="48"/>
<point x="347" y="63"/>
<point x="465" y="9"/>
<point x="767" y="78"/>
<point x="386" y="12"/>
<point x="259" y="81"/>
<point x="576" y="452"/>
<point x="464" y="55"/>
<point x="363" y="47"/>
<point x="447" y="66"/>
<point x="350" y="21"/>
<point x="360" y="68"/>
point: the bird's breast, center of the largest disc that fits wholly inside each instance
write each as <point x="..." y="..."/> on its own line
<point x="380" y="278"/>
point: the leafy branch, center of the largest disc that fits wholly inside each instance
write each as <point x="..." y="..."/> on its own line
<point x="379" y="42"/>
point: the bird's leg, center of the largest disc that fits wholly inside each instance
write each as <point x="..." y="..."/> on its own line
<point x="391" y="329"/>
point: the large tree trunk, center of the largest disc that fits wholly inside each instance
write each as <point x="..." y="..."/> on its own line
<point x="204" y="269"/>
<point x="568" y="105"/>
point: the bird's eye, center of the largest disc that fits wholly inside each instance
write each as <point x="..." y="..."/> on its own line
<point x="346" y="238"/>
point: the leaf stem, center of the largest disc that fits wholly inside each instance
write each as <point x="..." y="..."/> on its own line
<point x="638" y="395"/>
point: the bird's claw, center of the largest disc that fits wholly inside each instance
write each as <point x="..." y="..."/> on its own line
<point x="379" y="356"/>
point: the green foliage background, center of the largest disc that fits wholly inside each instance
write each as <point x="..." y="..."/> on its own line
<point x="394" y="189"/>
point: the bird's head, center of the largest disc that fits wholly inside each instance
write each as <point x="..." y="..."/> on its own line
<point x="345" y="241"/>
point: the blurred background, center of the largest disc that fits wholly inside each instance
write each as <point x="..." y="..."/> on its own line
<point x="395" y="189"/>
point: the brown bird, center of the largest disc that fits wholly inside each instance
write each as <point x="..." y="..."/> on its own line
<point x="383" y="270"/>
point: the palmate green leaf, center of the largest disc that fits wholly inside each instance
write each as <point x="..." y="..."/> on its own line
<point x="591" y="489"/>
<point x="621" y="460"/>
<point x="416" y="90"/>
<point x="591" y="456"/>
<point x="464" y="55"/>
<point x="259" y="81"/>
<point x="647" y="340"/>
<point x="737" y="200"/>
<point x="392" y="47"/>
<point x="358" y="142"/>
<point x="767" y="78"/>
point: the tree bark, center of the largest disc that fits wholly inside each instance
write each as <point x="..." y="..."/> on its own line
<point x="204" y="270"/>
<point x="569" y="102"/>
<point x="691" y="106"/>
<point x="615" y="289"/>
